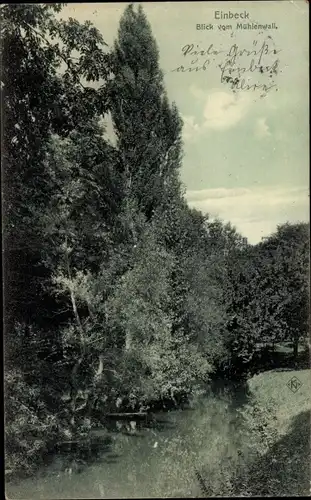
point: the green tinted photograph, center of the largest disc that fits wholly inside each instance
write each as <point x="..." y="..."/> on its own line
<point x="155" y="214"/>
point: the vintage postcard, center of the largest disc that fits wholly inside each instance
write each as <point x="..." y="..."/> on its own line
<point x="156" y="249"/>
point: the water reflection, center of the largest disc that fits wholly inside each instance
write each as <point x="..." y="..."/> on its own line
<point x="148" y="459"/>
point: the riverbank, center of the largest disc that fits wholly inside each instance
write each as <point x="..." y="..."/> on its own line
<point x="282" y="402"/>
<point x="209" y="438"/>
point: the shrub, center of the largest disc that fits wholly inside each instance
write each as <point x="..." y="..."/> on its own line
<point x="29" y="426"/>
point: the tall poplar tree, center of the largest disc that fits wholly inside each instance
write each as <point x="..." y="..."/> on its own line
<point x="148" y="128"/>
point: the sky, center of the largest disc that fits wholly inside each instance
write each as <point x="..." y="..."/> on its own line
<point x="246" y="152"/>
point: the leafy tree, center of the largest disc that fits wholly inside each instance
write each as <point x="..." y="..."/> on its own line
<point x="39" y="96"/>
<point x="148" y="129"/>
<point x="140" y="310"/>
<point x="269" y="294"/>
<point x="45" y="64"/>
<point x="285" y="282"/>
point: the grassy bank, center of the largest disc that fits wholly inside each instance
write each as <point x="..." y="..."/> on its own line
<point x="272" y="385"/>
<point x="276" y="442"/>
<point x="263" y="448"/>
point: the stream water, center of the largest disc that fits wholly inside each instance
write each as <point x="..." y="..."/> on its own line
<point x="157" y="461"/>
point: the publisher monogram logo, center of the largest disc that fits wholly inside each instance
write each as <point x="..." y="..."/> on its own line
<point x="294" y="384"/>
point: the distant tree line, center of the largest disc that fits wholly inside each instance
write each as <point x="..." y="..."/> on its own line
<point x="116" y="292"/>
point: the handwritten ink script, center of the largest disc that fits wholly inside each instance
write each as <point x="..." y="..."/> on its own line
<point x="249" y="69"/>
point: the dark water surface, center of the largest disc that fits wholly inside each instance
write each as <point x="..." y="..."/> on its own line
<point x="159" y="461"/>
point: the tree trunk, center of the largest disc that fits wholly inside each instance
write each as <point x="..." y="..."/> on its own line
<point x="129" y="215"/>
<point x="74" y="373"/>
<point x="295" y="348"/>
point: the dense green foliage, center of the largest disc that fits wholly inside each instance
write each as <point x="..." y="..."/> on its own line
<point x="117" y="293"/>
